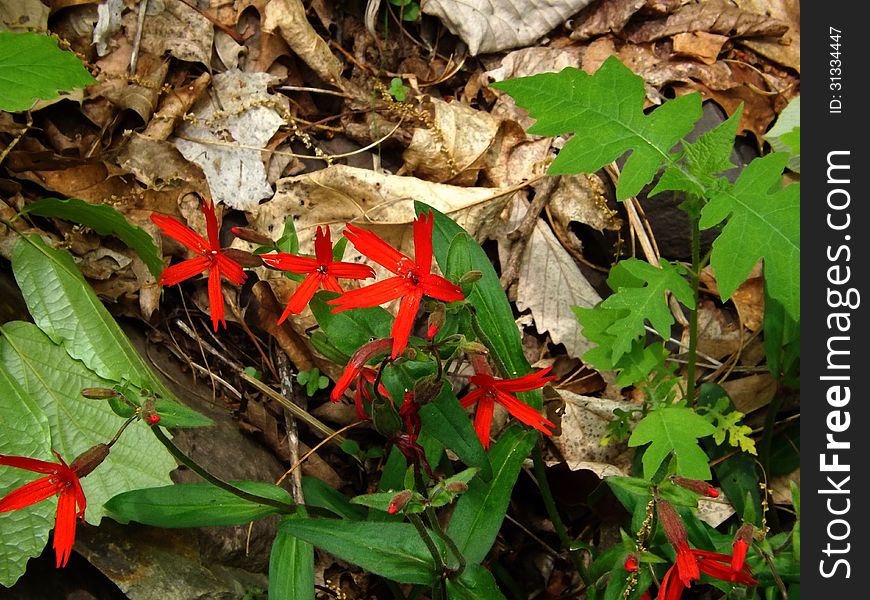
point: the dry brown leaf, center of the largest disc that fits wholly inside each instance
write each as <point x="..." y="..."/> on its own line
<point x="780" y="489"/>
<point x="584" y="424"/>
<point x="514" y="157"/>
<point x="114" y="86"/>
<point x="157" y="163"/>
<point x="177" y="28"/>
<point x="787" y="49"/>
<point x="174" y="106"/>
<point x="700" y="44"/>
<point x="752" y="392"/>
<point x="717" y="336"/>
<point x="581" y="199"/>
<point x="607" y="16"/>
<point x="714" y="16"/>
<point x="454" y="151"/>
<point x="714" y="511"/>
<point x="23" y="15"/>
<point x="659" y="69"/>
<point x="534" y="60"/>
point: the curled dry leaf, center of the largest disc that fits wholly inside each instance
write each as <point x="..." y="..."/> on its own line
<point x="752" y="392"/>
<point x="607" y="16"/>
<point x="174" y="106"/>
<point x="699" y="44"/>
<point x="114" y="86"/>
<point x="226" y="141"/>
<point x="534" y="60"/>
<point x="584" y="424"/>
<point x="581" y="199"/>
<point x="786" y="50"/>
<point x="714" y="511"/>
<point x="178" y="28"/>
<point x="24" y="15"/>
<point x="493" y="25"/>
<point x="157" y="163"/>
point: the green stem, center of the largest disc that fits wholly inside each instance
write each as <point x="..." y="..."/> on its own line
<point x="553" y="512"/>
<point x="440" y="568"/>
<point x="284" y="507"/>
<point x="435" y="525"/>
<point x="695" y="276"/>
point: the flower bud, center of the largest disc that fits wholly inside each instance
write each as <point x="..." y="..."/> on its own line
<point x="470" y="277"/>
<point x="631" y="563"/>
<point x="742" y="541"/>
<point x="456" y="487"/>
<point x="699" y="487"/>
<point x="89" y="460"/>
<point x="246" y="259"/>
<point x="99" y="393"/>
<point x="399" y="501"/>
<point x="252" y="235"/>
<point x="436" y="320"/>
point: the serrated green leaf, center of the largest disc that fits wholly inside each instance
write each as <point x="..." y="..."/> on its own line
<point x="54" y="381"/>
<point x="350" y="329"/>
<point x="475" y="583"/>
<point x="673" y="429"/>
<point x="104" y="220"/>
<point x="24" y="431"/>
<point x="647" y="303"/>
<point x="709" y="155"/>
<point x="785" y="135"/>
<point x="32" y="68"/>
<point x="65" y="307"/>
<point x="763" y="222"/>
<point x="392" y="550"/>
<point x="605" y="113"/>
<point x="199" y="504"/>
<point x="291" y="567"/>
<point x="480" y="511"/>
<point x="321" y="495"/>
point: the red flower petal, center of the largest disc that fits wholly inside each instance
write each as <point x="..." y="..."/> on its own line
<point x="483" y="419"/>
<point x="405" y="320"/>
<point x="31" y="493"/>
<point x="350" y="373"/>
<point x="29" y="464"/>
<point x="423" y="242"/>
<point x="181" y="233"/>
<point x="372" y="295"/>
<point x="216" y="298"/>
<point x="65" y="527"/>
<point x="330" y="284"/>
<point x="230" y="269"/>
<point x="530" y="381"/>
<point x="472" y="397"/>
<point x="349" y="270"/>
<point x="323" y="246"/>
<point x="372" y="246"/>
<point x="301" y="297"/>
<point x="524" y="412"/>
<point x="184" y="270"/>
<point x="290" y="262"/>
<point x="687" y="565"/>
<point x="437" y="287"/>
<point x="672" y="587"/>
<point x="211" y="225"/>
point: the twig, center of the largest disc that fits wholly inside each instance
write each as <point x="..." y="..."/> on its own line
<point x="522" y="233"/>
<point x="17" y="138"/>
<point x="288" y="390"/>
<point x="137" y="38"/>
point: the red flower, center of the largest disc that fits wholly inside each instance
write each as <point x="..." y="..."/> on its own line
<point x="631" y="563"/>
<point x="211" y="258"/>
<point x="356" y="366"/>
<point x="413" y="279"/>
<point x="322" y="271"/>
<point x="491" y="390"/>
<point x="742" y="541"/>
<point x="60" y="479"/>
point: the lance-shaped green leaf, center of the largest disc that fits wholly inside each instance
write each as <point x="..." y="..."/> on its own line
<point x="319" y="494"/>
<point x="475" y="583"/>
<point x="391" y="550"/>
<point x="65" y="307"/>
<point x="763" y="223"/>
<point x="446" y="420"/>
<point x="54" y="381"/>
<point x="105" y="220"/>
<point x="645" y="303"/>
<point x="605" y="113"/>
<point x="32" y="68"/>
<point x="350" y="329"/>
<point x="673" y="429"/>
<point x="24" y="431"/>
<point x="199" y="504"/>
<point x="291" y="567"/>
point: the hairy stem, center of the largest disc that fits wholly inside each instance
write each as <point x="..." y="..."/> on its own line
<point x="440" y="567"/>
<point x="695" y="277"/>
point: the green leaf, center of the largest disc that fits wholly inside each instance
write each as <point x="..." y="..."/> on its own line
<point x="65" y="307"/>
<point x="54" y="381"/>
<point x="646" y="303"/>
<point x="24" y="431"/>
<point x="291" y="567"/>
<point x="673" y="429"/>
<point x="289" y="240"/>
<point x="763" y="222"/>
<point x="321" y="495"/>
<point x="480" y="511"/>
<point x="391" y="550"/>
<point x="199" y="504"/>
<point x="104" y="220"/>
<point x="605" y="113"/>
<point x="785" y="135"/>
<point x="475" y="583"/>
<point x="350" y="329"/>
<point x="446" y="420"/>
<point x="32" y="68"/>
<point x="708" y="155"/>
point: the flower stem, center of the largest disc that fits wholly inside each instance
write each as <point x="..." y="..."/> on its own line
<point x="695" y="275"/>
<point x="435" y="525"/>
<point x="553" y="512"/>
<point x="284" y="507"/>
<point x="440" y="568"/>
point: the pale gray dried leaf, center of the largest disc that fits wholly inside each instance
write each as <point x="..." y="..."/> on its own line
<point x="714" y="16"/>
<point x="178" y="29"/>
<point x="550" y="283"/>
<point x="515" y="157"/>
<point x="584" y="424"/>
<point x="108" y="24"/>
<point x="157" y="163"/>
<point x="227" y="49"/>
<point x="537" y="59"/>
<point x="493" y="25"/>
<point x="23" y="15"/>
<point x="714" y="511"/>
<point x="642" y="60"/>
<point x="580" y="199"/>
<point x="607" y="16"/>
<point x="226" y="141"/>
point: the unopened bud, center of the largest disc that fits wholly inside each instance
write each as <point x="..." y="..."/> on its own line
<point x="472" y="347"/>
<point x="436" y="320"/>
<point x="699" y="487"/>
<point x="427" y="389"/>
<point x="470" y="277"/>
<point x="99" y="393"/>
<point x="89" y="460"/>
<point x="742" y="541"/>
<point x="246" y="259"/>
<point x="456" y="487"/>
<point x="399" y="501"/>
<point x="631" y="563"/>
<point x="152" y="419"/>
<point x="673" y="525"/>
<point x="149" y="412"/>
<point x="252" y="235"/>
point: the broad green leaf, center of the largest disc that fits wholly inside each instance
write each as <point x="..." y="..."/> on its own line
<point x="54" y="381"/>
<point x="673" y="429"/>
<point x="493" y="311"/>
<point x="319" y="494"/>
<point x="763" y="222"/>
<point x="646" y="303"/>
<point x="785" y="135"/>
<point x="447" y="421"/>
<point x="104" y="220"/>
<point x="782" y="336"/>
<point x="475" y="583"/>
<point x="348" y="330"/>
<point x="199" y="504"/>
<point x="32" y="68"/>
<point x="480" y="511"/>
<point x="291" y="567"/>
<point x="24" y="431"/>
<point x="709" y="155"/>
<point x="65" y="307"/>
<point x="391" y="550"/>
<point x="605" y="113"/>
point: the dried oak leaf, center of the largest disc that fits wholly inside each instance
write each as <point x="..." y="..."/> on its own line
<point x="607" y="16"/>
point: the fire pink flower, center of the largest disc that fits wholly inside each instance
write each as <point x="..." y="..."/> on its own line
<point x="491" y="391"/>
<point x="322" y="271"/>
<point x="60" y="479"/>
<point x="413" y="279"/>
<point x="211" y="258"/>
